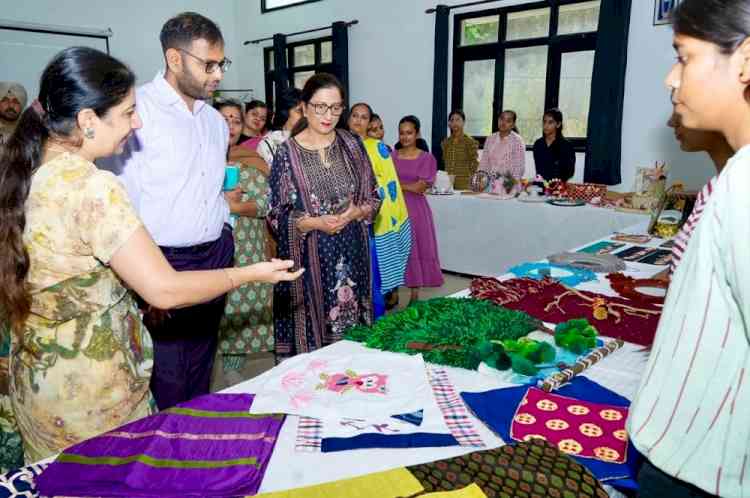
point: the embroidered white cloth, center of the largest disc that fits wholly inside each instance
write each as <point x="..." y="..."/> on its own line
<point x="370" y="386"/>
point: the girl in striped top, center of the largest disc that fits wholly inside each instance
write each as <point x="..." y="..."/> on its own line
<point x="719" y="151"/>
<point x="690" y="415"/>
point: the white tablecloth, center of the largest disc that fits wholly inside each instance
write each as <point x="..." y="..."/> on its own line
<point x="479" y="236"/>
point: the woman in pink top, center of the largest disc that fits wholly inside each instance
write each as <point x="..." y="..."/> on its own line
<point x="505" y="150"/>
<point x="256" y="118"/>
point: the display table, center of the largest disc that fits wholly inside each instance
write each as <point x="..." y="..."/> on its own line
<point x="291" y="469"/>
<point x="480" y="236"/>
<point x="621" y="372"/>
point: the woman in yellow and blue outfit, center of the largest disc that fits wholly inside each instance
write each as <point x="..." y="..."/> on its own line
<point x="391" y="232"/>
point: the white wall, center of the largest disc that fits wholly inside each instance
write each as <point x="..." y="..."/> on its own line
<point x="136" y="25"/>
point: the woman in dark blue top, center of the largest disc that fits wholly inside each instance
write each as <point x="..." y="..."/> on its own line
<point x="554" y="156"/>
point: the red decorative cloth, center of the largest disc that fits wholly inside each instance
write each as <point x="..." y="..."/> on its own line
<point x="550" y="301"/>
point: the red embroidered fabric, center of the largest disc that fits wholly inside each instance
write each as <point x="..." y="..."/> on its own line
<point x="625" y="319"/>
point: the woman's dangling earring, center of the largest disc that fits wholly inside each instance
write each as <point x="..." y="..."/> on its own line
<point x="89" y="133"/>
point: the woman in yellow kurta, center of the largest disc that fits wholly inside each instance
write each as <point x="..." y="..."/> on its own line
<point x="391" y="229"/>
<point x="80" y="357"/>
<point x="460" y="152"/>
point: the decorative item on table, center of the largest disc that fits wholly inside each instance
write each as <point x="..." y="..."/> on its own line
<point x="558" y="379"/>
<point x="481" y="181"/>
<point x="368" y="386"/>
<point x="602" y="247"/>
<point x="524" y="356"/>
<point x="638" y="253"/>
<point x="627" y="287"/>
<point x="576" y="427"/>
<point x="660" y="257"/>
<point x="531" y="192"/>
<point x="443" y="184"/>
<point x="598" y="263"/>
<point x="576" y="335"/>
<point x="446" y="331"/>
<point x="550" y="301"/>
<point x="585" y="191"/>
<point x="560" y="201"/>
<point x="631" y="238"/>
<point x="672" y="212"/>
<point x="649" y="189"/>
<point x="498" y="409"/>
<point x="553" y="188"/>
<point x="443" y="422"/>
<point x="567" y="275"/>
<point x="503" y="185"/>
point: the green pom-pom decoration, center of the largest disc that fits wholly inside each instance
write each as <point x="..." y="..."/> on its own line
<point x="576" y="335"/>
<point x="448" y="331"/>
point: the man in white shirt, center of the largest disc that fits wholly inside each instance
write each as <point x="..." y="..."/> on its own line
<point x="173" y="169"/>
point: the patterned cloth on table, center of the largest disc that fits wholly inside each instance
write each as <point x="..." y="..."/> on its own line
<point x="209" y="447"/>
<point x="247" y="325"/>
<point x="370" y="386"/>
<point x="86" y="358"/>
<point x="538" y="297"/>
<point x="485" y="407"/>
<point x="533" y="469"/>
<point x="461" y="157"/>
<point x="576" y="427"/>
<point x="392" y="227"/>
<point x="444" y="421"/>
<point x="335" y="291"/>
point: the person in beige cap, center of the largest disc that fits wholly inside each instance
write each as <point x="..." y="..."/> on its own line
<point x="12" y="102"/>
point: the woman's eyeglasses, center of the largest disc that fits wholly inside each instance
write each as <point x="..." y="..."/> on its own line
<point x="321" y="108"/>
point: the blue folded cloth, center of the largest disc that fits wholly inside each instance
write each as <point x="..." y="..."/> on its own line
<point x="497" y="408"/>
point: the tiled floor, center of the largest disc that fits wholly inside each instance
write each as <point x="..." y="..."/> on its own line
<point x="258" y="363"/>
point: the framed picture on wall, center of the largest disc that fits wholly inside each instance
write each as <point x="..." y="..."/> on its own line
<point x="662" y="9"/>
<point x="271" y="5"/>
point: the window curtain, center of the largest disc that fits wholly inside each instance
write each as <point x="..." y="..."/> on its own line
<point x="280" y="73"/>
<point x="440" y="82"/>
<point x="341" y="54"/>
<point x="604" y="150"/>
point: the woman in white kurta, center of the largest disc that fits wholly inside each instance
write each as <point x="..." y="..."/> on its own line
<point x="690" y="416"/>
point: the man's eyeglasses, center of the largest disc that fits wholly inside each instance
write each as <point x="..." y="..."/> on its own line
<point x="321" y="108"/>
<point x="211" y="66"/>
